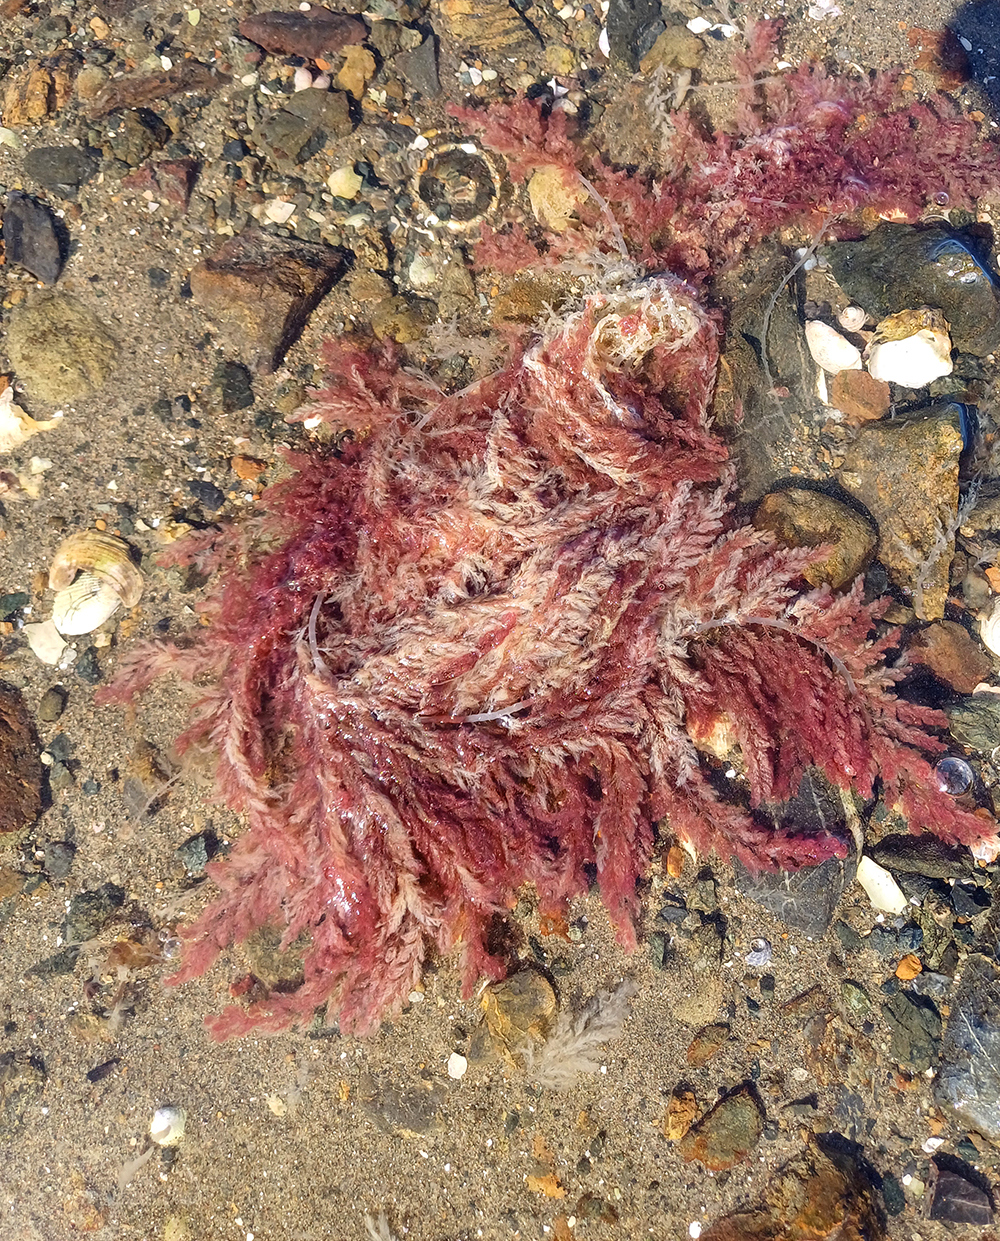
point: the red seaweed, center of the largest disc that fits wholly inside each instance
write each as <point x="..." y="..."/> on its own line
<point x="497" y="636"/>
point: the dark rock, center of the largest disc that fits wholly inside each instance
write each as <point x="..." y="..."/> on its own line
<point x="801" y="517"/>
<point x="60" y="747"/>
<point x="633" y="27"/>
<point x="89" y="912"/>
<point x="59" y="856"/>
<point x="207" y="494"/>
<point x="968" y="1081"/>
<point x="61" y="169"/>
<point x="727" y="1134"/>
<point x="419" y="69"/>
<point x="134" y="135"/>
<point x="159" y="278"/>
<point x="916" y="1029"/>
<point x="975" y="722"/>
<point x="850" y="939"/>
<point x="261" y="290"/>
<point x="905" y="472"/>
<point x="956" y="1198"/>
<point x="197" y="851"/>
<point x="952" y="654"/>
<point x="898" y="267"/>
<point x="410" y="1108"/>
<point x="11" y="603"/>
<point x="318" y="33"/>
<point x="53" y="704"/>
<point x="30" y="238"/>
<point x="297" y="131"/>
<point x="20" y="763"/>
<point x="922" y="855"/>
<point x="57" y="964"/>
<point x="88" y="668"/>
<point x="22" y="1080"/>
<point x="969" y="901"/>
<point x="231" y="385"/>
<point x="893" y="1195"/>
<point x="806" y="899"/>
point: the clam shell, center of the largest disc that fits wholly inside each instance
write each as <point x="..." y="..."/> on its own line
<point x="105" y="556"/>
<point x="84" y="604"/>
<point x="833" y="352"/>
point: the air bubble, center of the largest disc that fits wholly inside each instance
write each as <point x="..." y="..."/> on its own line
<point x="954" y="776"/>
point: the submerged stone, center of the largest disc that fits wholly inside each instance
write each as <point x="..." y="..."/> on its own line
<point x="897" y="267"/>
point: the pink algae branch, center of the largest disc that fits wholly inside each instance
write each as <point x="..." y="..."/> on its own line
<point x="479" y="649"/>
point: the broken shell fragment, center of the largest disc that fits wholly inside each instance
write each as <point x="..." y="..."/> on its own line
<point x="833" y="352"/>
<point x="911" y="348"/>
<point x="167" y="1126"/>
<point x="105" y="556"/>
<point x="84" y="605"/>
<point x="989" y="627"/>
<point x="457" y="186"/>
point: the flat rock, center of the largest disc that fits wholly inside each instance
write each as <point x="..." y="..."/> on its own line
<point x="60" y="349"/>
<point x="975" y="721"/>
<point x="968" y="1080"/>
<point x="20" y="764"/>
<point x="261" y="290"/>
<point x="956" y="1198"/>
<point x="922" y="855"/>
<point x="802" y="517"/>
<point x="30" y="238"/>
<point x="860" y="397"/>
<point x="492" y="25"/>
<point x="633" y="29"/>
<point x="916" y="1029"/>
<point x="295" y="132"/>
<point x="419" y="68"/>
<point x="727" y="1134"/>
<point x="905" y="472"/>
<point x="318" y="34"/>
<point x="952" y="654"/>
<point x="61" y="169"/>
<point x="168" y="181"/>
<point x="821" y="1193"/>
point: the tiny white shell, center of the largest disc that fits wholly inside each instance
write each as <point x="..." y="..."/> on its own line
<point x="914" y="361"/>
<point x="852" y="318"/>
<point x="84" y="605"/>
<point x="883" y="891"/>
<point x="167" y="1126"/>
<point x="989" y="626"/>
<point x="833" y="352"/>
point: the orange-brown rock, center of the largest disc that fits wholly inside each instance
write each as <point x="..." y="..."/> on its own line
<point x="801" y="517"/>
<point x="952" y="654"/>
<point x="860" y="397"/>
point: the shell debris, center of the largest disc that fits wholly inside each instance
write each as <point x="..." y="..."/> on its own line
<point x="93" y="574"/>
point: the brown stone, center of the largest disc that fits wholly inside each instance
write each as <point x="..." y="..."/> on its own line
<point x="905" y="472"/>
<point x="494" y="25"/>
<point x="821" y="1194"/>
<point x="39" y="91"/>
<point x="860" y="397"/>
<point x="725" y="1135"/>
<point x="706" y="1043"/>
<point x="318" y="34"/>
<point x="20" y="764"/>
<point x="952" y="654"/>
<point x="168" y="180"/>
<point x="261" y="290"/>
<point x="800" y="517"/>
<point x="682" y="1108"/>
<point x="358" y="68"/>
<point x="138" y="90"/>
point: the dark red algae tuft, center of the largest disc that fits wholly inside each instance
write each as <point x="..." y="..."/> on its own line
<point x="494" y="638"/>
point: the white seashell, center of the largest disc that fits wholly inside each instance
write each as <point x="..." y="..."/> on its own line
<point x="45" y="641"/>
<point x="914" y="361"/>
<point x="883" y="891"/>
<point x="167" y="1126"/>
<point x="84" y="605"/>
<point x="104" y="555"/>
<point x="302" y="79"/>
<point x="852" y="318"/>
<point x="989" y="626"/>
<point x="833" y="352"/>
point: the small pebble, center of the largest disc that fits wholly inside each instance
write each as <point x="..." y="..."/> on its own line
<point x="457" y="1065"/>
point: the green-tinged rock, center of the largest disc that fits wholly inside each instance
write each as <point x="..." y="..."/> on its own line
<point x="60" y="349"/>
<point x="975" y="721"/>
<point x="802" y="517"/>
<point x="727" y="1134"/>
<point x="916" y="1029"/>
<point x="898" y="267"/>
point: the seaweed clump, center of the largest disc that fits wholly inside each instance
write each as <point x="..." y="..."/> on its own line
<point x="496" y="636"/>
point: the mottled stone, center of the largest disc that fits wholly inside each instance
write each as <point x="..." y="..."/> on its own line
<point x="916" y="1029"/>
<point x="492" y="25"/>
<point x="706" y="1043"/>
<point x="922" y="855"/>
<point x="60" y="349"/>
<point x="61" y="169"/>
<point x="20" y="764"/>
<point x="905" y="472"/>
<point x="727" y="1134"/>
<point x="860" y="397"/>
<point x="975" y="721"/>
<point x="821" y="1193"/>
<point x="261" y="290"/>
<point x="318" y="33"/>
<point x="801" y="517"/>
<point x="39" y="90"/>
<point x="952" y="654"/>
<point x="89" y="912"/>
